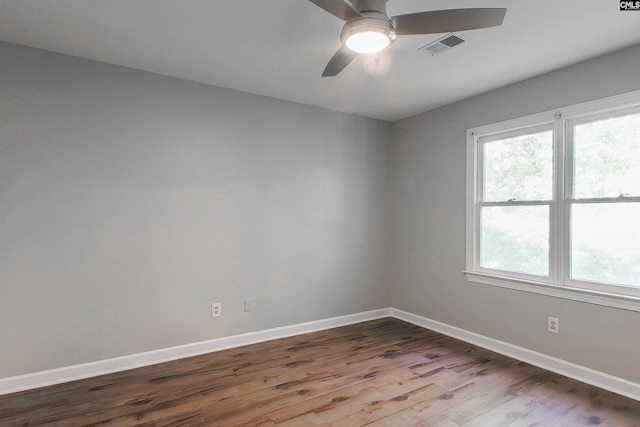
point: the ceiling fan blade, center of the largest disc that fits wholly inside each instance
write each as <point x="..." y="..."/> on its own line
<point x="338" y="62"/>
<point x="446" y="21"/>
<point x="339" y="8"/>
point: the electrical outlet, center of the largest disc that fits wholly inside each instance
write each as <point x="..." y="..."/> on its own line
<point x="553" y="325"/>
<point x="248" y="305"/>
<point x="216" y="309"/>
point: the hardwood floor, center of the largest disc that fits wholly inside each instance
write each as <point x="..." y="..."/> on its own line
<point x="381" y="373"/>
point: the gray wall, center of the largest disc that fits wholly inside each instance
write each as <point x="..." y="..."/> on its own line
<point x="131" y="201"/>
<point x="429" y="225"/>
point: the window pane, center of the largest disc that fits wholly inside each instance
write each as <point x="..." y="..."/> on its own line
<point x="519" y="168"/>
<point x="605" y="243"/>
<point x="515" y="238"/>
<point x="607" y="157"/>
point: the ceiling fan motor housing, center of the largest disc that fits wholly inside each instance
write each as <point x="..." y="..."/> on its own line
<point x="370" y="5"/>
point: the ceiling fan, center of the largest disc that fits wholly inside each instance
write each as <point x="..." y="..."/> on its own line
<point x="368" y="28"/>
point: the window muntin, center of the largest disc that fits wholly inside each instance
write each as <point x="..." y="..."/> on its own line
<point x="579" y="210"/>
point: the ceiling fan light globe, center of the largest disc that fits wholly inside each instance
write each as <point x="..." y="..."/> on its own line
<point x="368" y="41"/>
<point x="368" y="34"/>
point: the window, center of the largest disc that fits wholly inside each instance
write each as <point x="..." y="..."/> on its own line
<point x="553" y="202"/>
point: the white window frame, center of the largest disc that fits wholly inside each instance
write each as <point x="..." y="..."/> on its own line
<point x="558" y="283"/>
<point x="482" y="139"/>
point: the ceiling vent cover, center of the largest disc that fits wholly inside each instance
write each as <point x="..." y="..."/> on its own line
<point x="443" y="44"/>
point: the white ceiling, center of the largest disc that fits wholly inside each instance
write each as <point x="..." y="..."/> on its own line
<point x="279" y="48"/>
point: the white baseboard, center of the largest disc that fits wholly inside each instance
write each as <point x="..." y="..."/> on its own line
<point x="117" y="364"/>
<point x="581" y="373"/>
<point x="123" y="363"/>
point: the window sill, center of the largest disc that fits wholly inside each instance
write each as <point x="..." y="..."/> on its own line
<point x="576" y="294"/>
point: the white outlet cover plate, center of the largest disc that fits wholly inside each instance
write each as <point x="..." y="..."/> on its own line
<point x="216" y="309"/>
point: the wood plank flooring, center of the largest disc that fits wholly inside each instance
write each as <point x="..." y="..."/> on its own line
<point x="380" y="373"/>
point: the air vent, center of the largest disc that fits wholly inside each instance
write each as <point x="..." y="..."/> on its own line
<point x="444" y="44"/>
